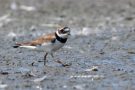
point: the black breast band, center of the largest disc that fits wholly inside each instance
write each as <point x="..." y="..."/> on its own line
<point x="62" y="40"/>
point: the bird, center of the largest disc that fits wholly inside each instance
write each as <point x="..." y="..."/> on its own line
<point x="49" y="43"/>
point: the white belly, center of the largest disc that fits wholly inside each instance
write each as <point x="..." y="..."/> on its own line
<point x="50" y="47"/>
<point x="57" y="45"/>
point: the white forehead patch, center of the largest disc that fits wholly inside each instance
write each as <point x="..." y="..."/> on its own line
<point x="67" y="29"/>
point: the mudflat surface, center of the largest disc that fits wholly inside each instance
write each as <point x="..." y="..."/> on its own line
<point x="101" y="48"/>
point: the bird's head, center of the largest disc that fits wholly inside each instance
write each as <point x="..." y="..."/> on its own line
<point x="63" y="32"/>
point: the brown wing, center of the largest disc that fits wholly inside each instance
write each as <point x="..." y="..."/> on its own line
<point x="40" y="40"/>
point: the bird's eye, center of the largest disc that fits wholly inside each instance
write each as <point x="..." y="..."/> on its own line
<point x="62" y="31"/>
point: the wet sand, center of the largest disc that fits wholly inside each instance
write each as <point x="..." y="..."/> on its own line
<point x="101" y="48"/>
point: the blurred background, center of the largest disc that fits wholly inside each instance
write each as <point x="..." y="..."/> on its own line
<point x="72" y="12"/>
<point x="101" y="47"/>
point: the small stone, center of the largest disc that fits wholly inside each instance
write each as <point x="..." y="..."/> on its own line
<point x="94" y="68"/>
<point x="129" y="18"/>
<point x="119" y="69"/>
<point x="4" y="73"/>
<point x="131" y="52"/>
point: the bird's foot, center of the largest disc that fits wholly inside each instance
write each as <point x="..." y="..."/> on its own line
<point x="64" y="64"/>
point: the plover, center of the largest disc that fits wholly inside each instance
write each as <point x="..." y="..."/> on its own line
<point x="49" y="43"/>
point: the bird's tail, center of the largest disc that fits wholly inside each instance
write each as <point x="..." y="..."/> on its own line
<point x="24" y="45"/>
<point x="17" y="45"/>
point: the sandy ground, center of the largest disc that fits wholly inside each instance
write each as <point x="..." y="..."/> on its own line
<point x="101" y="48"/>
